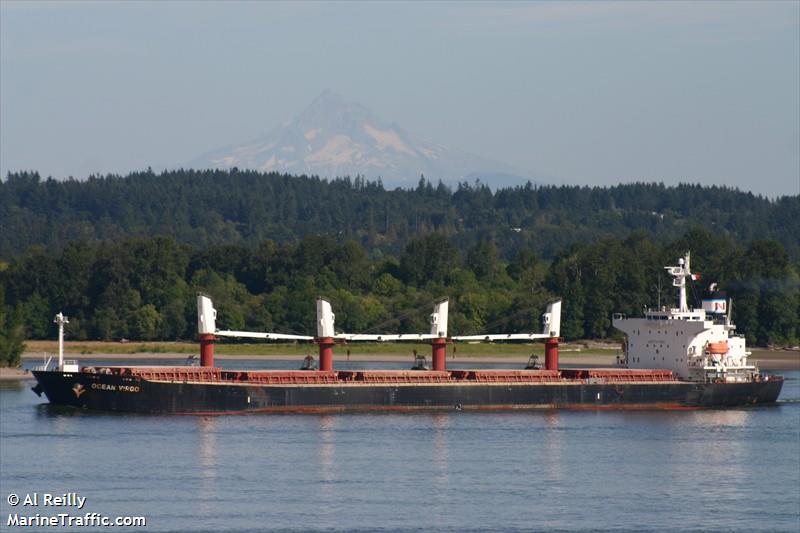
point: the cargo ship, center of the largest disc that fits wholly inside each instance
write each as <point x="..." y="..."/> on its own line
<point x="673" y="358"/>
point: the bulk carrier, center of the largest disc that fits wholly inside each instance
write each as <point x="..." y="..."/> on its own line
<point x="674" y="358"/>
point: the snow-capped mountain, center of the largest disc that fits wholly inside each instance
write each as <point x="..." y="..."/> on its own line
<point x="333" y="137"/>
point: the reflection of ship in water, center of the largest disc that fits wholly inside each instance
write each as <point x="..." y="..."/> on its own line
<point x="441" y="459"/>
<point x="674" y="358"/>
<point x="439" y="499"/>
<point x="327" y="451"/>
<point x="327" y="499"/>
<point x="207" y="426"/>
<point x="721" y="454"/>
<point x="64" y="451"/>
<point x="552" y="448"/>
<point x="207" y="434"/>
<point x="715" y="420"/>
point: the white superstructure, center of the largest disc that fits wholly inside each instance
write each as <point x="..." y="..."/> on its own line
<point x="696" y="344"/>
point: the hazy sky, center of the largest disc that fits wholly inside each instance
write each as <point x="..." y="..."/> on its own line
<point x="588" y="93"/>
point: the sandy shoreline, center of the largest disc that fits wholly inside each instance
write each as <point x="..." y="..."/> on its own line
<point x="14" y="374"/>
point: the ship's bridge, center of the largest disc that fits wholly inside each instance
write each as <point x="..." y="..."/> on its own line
<point x="662" y="327"/>
<point x="664" y="321"/>
<point x="692" y="315"/>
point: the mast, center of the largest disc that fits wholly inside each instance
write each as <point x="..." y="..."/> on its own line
<point x="680" y="273"/>
<point x="61" y="320"/>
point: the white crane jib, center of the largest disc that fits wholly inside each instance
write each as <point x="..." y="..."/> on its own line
<point x="438" y="327"/>
<point x="551" y="328"/>
<point x="207" y="325"/>
<point x="326" y="321"/>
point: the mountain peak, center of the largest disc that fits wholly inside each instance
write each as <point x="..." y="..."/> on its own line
<point x="327" y="98"/>
<point x="331" y="110"/>
<point x="334" y="137"/>
<point x="327" y="101"/>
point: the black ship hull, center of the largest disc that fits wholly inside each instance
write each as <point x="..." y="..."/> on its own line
<point x="138" y="395"/>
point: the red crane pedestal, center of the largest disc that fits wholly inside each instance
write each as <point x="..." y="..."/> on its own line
<point x="207" y="349"/>
<point x="439" y="349"/>
<point x="326" y="354"/>
<point x="551" y="353"/>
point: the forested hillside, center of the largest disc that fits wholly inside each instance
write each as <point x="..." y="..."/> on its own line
<point x="145" y="288"/>
<point x="212" y="208"/>
<point x="123" y="257"/>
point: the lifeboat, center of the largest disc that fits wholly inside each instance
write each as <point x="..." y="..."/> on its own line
<point x="717" y="348"/>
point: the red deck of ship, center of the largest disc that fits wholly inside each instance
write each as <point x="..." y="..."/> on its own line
<point x="316" y="377"/>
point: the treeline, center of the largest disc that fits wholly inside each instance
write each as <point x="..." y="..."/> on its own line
<point x="12" y="334"/>
<point x="144" y="289"/>
<point x="212" y="208"/>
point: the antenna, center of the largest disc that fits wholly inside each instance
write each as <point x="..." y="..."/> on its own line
<point x="658" y="287"/>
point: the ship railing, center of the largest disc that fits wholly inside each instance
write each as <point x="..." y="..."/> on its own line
<point x="505" y="376"/>
<point x="46" y="364"/>
<point x="175" y="374"/>
<point x="395" y="376"/>
<point x="106" y="370"/>
<point x="618" y="375"/>
<point x="280" y="377"/>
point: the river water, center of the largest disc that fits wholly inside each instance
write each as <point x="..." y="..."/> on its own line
<point x="714" y="470"/>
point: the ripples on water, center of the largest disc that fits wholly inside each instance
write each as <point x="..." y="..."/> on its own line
<point x="717" y="470"/>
